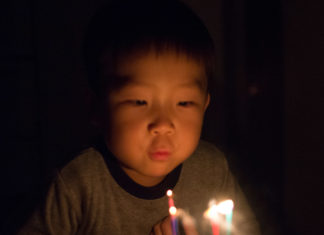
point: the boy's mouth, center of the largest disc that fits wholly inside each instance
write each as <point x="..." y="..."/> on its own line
<point x="159" y="155"/>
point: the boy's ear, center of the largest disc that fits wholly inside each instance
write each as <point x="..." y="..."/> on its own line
<point x="207" y="102"/>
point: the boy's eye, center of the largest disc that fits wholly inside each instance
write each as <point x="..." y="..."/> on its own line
<point x="185" y="103"/>
<point x="139" y="102"/>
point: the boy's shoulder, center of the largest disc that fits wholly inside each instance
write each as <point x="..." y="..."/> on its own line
<point x="207" y="157"/>
<point x="207" y="148"/>
<point x="86" y="156"/>
<point x="207" y="169"/>
<point x="208" y="152"/>
<point x="86" y="164"/>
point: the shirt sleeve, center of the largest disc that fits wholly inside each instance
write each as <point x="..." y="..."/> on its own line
<point x="58" y="214"/>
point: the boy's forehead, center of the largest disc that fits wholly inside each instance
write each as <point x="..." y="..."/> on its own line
<point x="142" y="69"/>
<point x="133" y="81"/>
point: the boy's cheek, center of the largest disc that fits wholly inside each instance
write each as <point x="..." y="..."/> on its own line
<point x="134" y="120"/>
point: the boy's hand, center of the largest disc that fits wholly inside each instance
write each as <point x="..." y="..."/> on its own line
<point x="163" y="227"/>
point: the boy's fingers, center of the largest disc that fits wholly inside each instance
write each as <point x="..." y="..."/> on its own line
<point x="163" y="227"/>
<point x="190" y="229"/>
<point x="166" y="226"/>
<point x="157" y="230"/>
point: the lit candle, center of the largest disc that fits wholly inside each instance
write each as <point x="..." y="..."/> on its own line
<point x="229" y="222"/>
<point x="170" y="196"/>
<point x="226" y="208"/>
<point x="212" y="215"/>
<point x="172" y="212"/>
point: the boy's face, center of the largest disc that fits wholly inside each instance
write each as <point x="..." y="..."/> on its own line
<point x="155" y="119"/>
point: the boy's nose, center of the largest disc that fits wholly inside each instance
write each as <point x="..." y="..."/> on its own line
<point x="161" y="125"/>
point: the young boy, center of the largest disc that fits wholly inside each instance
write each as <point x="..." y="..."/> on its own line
<point x="149" y="64"/>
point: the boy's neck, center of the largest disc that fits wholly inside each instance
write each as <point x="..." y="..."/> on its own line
<point x="151" y="189"/>
<point x="146" y="181"/>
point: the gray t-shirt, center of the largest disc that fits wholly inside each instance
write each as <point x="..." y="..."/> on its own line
<point x="92" y="195"/>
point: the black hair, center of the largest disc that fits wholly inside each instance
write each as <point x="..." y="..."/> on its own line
<point x="125" y="27"/>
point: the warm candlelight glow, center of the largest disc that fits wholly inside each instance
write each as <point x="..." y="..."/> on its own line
<point x="225" y="207"/>
<point x="212" y="212"/>
<point x="173" y="210"/>
<point x="216" y="212"/>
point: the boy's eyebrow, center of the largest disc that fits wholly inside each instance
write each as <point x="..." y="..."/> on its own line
<point x="198" y="82"/>
<point x="126" y="80"/>
<point x="121" y="81"/>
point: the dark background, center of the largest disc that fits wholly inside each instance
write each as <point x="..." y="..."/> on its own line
<point x="267" y="111"/>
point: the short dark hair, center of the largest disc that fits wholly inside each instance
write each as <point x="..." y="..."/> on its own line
<point x="125" y="27"/>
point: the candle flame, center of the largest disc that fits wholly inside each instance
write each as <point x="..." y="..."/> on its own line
<point x="225" y="207"/>
<point x="212" y="212"/>
<point x="173" y="210"/>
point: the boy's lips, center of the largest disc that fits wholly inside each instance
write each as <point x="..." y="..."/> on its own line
<point x="159" y="155"/>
